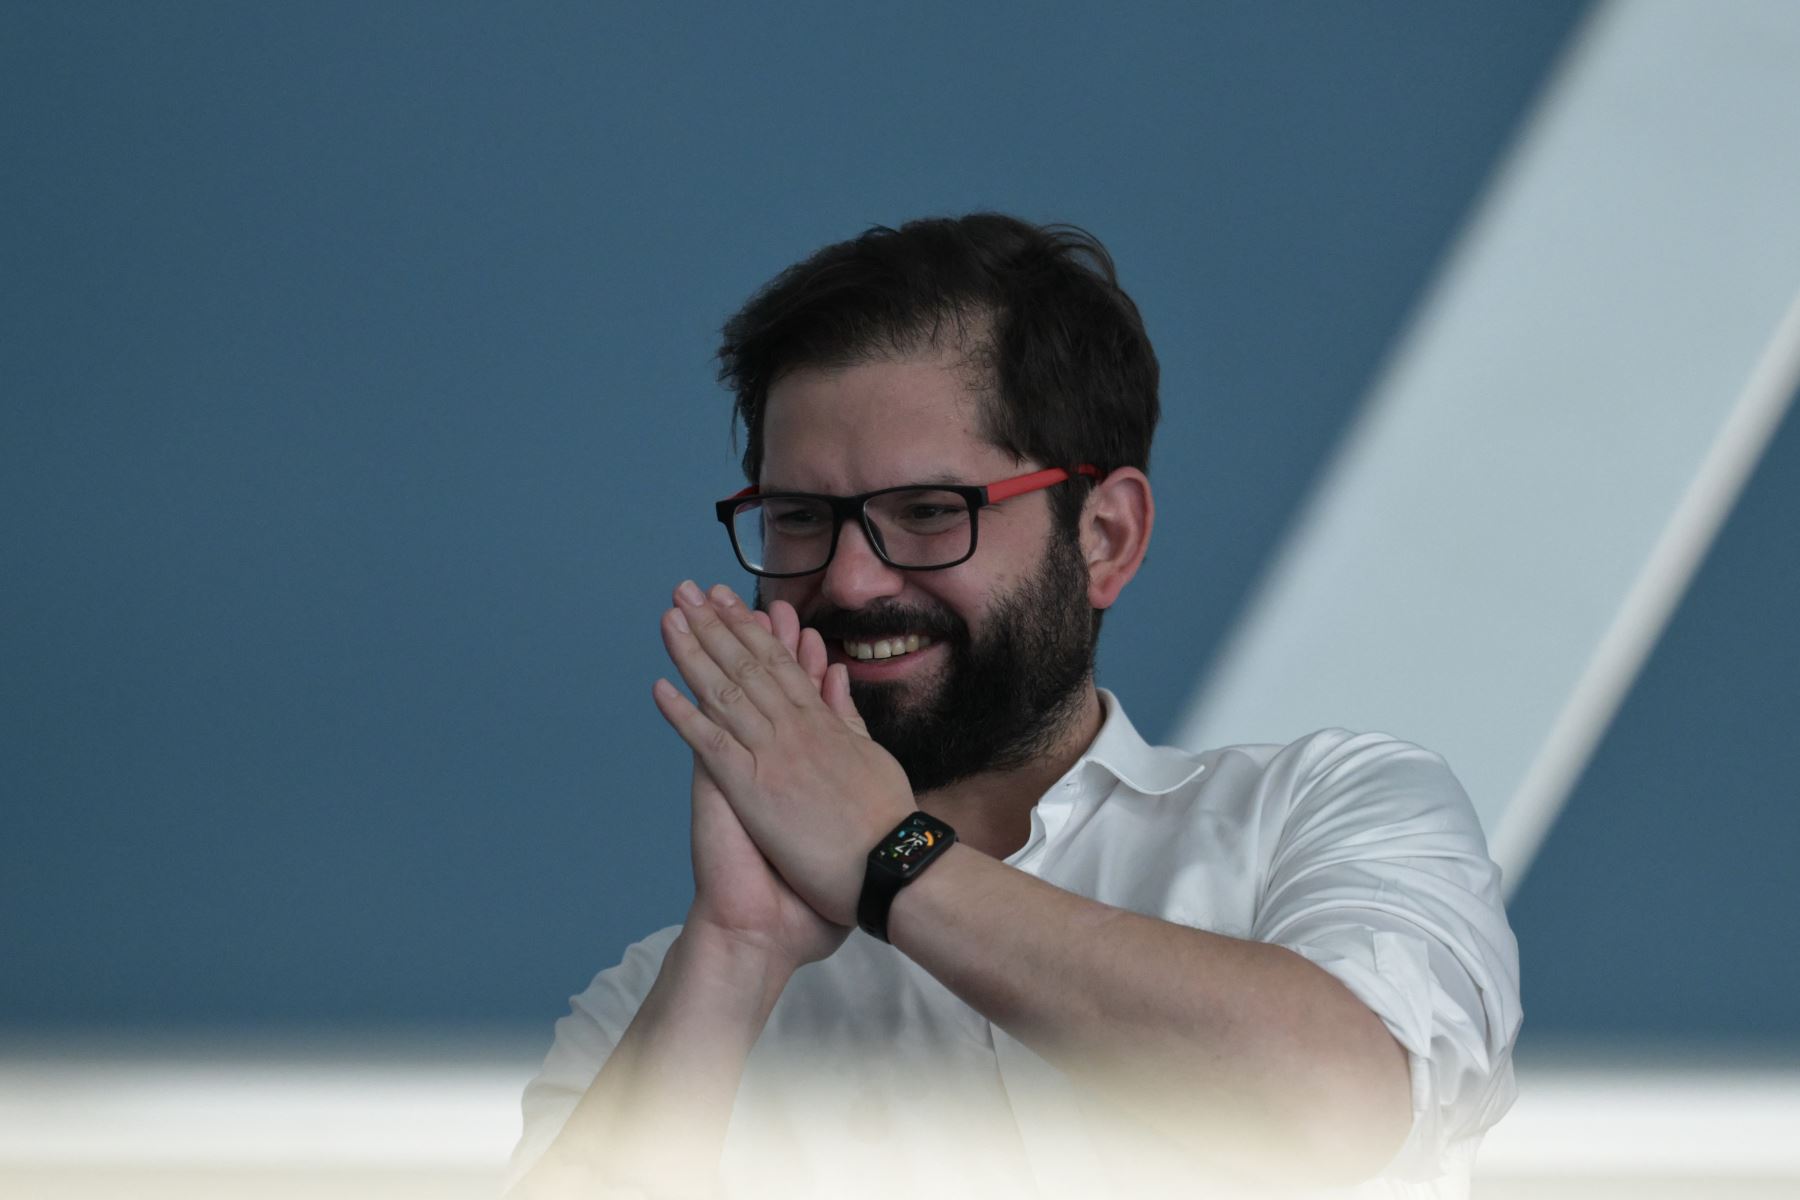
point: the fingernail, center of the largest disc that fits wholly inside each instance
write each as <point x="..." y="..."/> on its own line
<point x="724" y="595"/>
<point x="690" y="591"/>
<point x="678" y="619"/>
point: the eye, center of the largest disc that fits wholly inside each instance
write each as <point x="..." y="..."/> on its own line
<point x="934" y="514"/>
<point x="793" y="519"/>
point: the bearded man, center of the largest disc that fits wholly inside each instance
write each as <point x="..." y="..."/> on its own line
<point x="956" y="927"/>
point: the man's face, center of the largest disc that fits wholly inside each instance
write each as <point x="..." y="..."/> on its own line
<point x="1009" y="632"/>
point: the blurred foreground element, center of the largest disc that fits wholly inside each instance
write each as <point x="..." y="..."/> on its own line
<point x="392" y="1117"/>
<point x="401" y="1118"/>
<point x="1648" y="1123"/>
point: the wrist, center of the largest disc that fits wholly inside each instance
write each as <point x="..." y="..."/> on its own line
<point x="746" y="964"/>
<point x="939" y="899"/>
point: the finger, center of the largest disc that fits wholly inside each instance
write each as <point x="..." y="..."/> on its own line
<point x="721" y="624"/>
<point x="749" y="653"/>
<point x="836" y="693"/>
<point x="720" y="696"/>
<point x="715" y="751"/>
<point x="757" y="660"/>
<point x="812" y="656"/>
<point x="762" y="618"/>
<point x="786" y="625"/>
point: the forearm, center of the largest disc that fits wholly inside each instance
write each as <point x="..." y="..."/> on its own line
<point x="1240" y="1051"/>
<point x="655" y="1116"/>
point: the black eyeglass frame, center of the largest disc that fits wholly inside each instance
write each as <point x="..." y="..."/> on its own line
<point x="856" y="508"/>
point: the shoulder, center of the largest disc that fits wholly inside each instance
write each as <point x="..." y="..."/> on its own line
<point x="1377" y="777"/>
<point x="1323" y="750"/>
<point x="1322" y="760"/>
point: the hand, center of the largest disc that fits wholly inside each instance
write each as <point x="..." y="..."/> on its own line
<point x="736" y="891"/>
<point x="794" y="761"/>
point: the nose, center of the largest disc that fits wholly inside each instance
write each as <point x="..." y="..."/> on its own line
<point x="856" y="576"/>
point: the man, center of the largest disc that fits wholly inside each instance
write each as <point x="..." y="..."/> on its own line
<point x="1086" y="965"/>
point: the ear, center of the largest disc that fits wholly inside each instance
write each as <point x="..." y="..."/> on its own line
<point x="1115" y="532"/>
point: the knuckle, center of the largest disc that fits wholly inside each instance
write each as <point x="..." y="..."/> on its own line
<point x="727" y="695"/>
<point x="718" y="741"/>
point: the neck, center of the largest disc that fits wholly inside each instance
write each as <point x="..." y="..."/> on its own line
<point x="992" y="811"/>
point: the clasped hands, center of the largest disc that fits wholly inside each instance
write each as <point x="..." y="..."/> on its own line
<point x="775" y="733"/>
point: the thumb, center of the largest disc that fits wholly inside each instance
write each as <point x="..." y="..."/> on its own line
<point x="837" y="697"/>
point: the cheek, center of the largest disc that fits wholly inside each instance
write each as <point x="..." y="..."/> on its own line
<point x="958" y="591"/>
<point x="994" y="572"/>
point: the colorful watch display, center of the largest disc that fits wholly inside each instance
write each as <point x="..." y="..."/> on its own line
<point x="895" y="862"/>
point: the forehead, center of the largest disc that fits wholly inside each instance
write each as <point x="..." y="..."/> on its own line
<point x="877" y="424"/>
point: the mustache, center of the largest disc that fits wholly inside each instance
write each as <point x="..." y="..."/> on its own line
<point x="863" y="623"/>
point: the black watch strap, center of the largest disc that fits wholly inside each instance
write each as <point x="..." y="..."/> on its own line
<point x="896" y="861"/>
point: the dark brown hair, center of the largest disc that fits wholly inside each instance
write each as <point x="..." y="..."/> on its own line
<point x="1036" y="311"/>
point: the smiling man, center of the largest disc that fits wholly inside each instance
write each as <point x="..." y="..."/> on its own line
<point x="956" y="927"/>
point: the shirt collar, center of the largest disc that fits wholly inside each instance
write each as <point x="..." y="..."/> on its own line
<point x="1119" y="750"/>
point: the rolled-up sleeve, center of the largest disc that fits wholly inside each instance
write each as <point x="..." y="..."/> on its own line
<point x="1380" y="875"/>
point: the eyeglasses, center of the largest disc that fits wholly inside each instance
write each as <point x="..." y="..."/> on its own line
<point x="915" y="527"/>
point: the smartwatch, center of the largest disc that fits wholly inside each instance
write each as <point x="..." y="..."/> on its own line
<point x="896" y="861"/>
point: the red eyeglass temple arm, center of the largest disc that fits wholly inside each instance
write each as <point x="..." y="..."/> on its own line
<point x="1037" y="479"/>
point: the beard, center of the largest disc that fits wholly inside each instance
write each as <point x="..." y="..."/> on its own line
<point x="1003" y="699"/>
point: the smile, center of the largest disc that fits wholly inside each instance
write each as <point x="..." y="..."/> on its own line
<point x="892" y="647"/>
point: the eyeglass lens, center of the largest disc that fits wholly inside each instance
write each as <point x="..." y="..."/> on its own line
<point x="793" y="535"/>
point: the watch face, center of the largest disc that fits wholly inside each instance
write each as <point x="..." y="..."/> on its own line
<point x="911" y="844"/>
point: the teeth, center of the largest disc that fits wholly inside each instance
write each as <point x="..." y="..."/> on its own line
<point x="885" y="647"/>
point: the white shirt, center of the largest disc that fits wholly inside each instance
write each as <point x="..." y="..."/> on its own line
<point x="1358" y="851"/>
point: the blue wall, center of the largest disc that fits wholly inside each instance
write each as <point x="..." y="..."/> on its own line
<point x="357" y="416"/>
